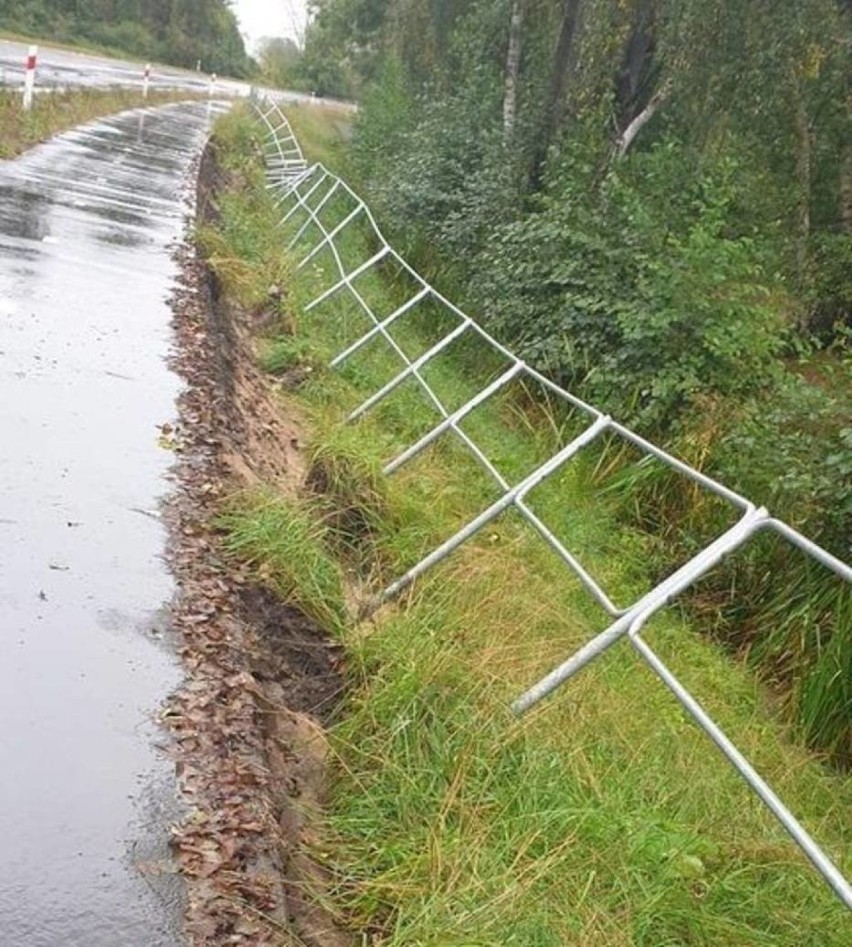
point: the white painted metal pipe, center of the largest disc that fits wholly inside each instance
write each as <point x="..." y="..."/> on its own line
<point x="800" y="836"/>
<point x="656" y="598"/>
<point x="628" y="621"/>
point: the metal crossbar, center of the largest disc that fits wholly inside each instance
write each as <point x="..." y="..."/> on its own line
<point x="304" y="191"/>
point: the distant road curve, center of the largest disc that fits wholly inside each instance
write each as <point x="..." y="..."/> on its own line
<point x="64" y="68"/>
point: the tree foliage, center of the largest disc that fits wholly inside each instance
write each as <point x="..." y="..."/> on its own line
<point x="279" y="59"/>
<point x="670" y="214"/>
<point x="180" y="32"/>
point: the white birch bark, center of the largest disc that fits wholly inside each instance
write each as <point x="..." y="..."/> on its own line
<point x="628" y="136"/>
<point x="513" y="61"/>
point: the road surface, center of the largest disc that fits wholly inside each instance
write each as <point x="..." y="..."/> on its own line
<point x="65" y="68"/>
<point x="62" y="68"/>
<point x="86" y="223"/>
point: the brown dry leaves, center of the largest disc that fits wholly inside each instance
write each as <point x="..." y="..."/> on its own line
<point x="227" y="846"/>
<point x="251" y="768"/>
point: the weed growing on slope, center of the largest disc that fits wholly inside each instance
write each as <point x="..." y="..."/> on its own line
<point x="284" y="542"/>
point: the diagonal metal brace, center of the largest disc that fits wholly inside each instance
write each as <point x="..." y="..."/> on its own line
<point x="491" y="513"/>
<point x="817" y="857"/>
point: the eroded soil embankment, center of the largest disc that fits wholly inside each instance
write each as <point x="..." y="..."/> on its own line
<point x="261" y="679"/>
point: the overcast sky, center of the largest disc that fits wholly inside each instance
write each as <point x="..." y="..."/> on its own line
<point x="270" y="18"/>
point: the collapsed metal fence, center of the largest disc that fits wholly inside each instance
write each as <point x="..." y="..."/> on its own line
<point x="282" y="154"/>
<point x="306" y="195"/>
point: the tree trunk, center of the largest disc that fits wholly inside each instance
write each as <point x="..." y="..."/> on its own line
<point x="555" y="103"/>
<point x="634" y="75"/>
<point x="846" y="190"/>
<point x="802" y="135"/>
<point x="628" y="136"/>
<point x="513" y="61"/>
<point x="844" y="172"/>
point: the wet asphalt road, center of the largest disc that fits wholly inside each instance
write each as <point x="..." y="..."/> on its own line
<point x="62" y="67"/>
<point x="85" y="271"/>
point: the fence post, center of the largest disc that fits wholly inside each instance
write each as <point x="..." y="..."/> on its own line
<point x="29" y="78"/>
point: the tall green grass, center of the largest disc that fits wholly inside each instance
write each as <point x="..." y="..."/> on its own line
<point x="603" y="817"/>
<point x="285" y="546"/>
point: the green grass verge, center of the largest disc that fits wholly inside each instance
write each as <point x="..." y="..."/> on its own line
<point x="323" y="131"/>
<point x="602" y="818"/>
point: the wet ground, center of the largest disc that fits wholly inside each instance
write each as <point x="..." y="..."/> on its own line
<point x="86" y="223"/>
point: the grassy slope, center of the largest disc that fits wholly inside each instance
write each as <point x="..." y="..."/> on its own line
<point x="602" y="818"/>
<point x="57" y="111"/>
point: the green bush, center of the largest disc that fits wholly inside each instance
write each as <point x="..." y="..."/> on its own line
<point x="445" y="178"/>
<point x="637" y="292"/>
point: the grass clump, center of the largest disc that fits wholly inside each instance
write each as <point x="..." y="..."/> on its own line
<point x="285" y="542"/>
<point x="348" y="481"/>
<point x="602" y="818"/>
<point x="284" y="354"/>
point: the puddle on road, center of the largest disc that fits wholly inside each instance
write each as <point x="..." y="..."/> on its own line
<point x="85" y="797"/>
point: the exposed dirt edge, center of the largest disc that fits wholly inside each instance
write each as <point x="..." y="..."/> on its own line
<point x="247" y="723"/>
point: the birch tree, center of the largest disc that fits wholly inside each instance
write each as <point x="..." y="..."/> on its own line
<point x="513" y="63"/>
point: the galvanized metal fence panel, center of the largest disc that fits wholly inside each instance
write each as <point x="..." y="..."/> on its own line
<point x="283" y="156"/>
<point x="312" y="191"/>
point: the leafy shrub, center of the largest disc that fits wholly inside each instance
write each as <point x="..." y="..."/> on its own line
<point x="792" y="451"/>
<point x="635" y="292"/>
<point x="443" y="177"/>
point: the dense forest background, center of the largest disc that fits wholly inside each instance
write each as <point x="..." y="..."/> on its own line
<point x="180" y="32"/>
<point x="651" y="200"/>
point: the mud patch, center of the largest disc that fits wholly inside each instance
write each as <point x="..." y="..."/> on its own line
<point x="258" y="444"/>
<point x="261" y="679"/>
<point x="296" y="655"/>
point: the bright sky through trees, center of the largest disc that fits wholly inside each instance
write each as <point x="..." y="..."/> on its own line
<point x="259" y="18"/>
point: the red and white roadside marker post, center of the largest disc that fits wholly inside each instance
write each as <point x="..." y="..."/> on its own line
<point x="146" y="78"/>
<point x="29" y="78"/>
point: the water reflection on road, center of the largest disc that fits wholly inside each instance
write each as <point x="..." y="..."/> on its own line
<point x="85" y="271"/>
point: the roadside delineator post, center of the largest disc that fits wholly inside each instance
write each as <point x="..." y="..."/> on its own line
<point x="212" y="87"/>
<point x="29" y="78"/>
<point x="146" y="78"/>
